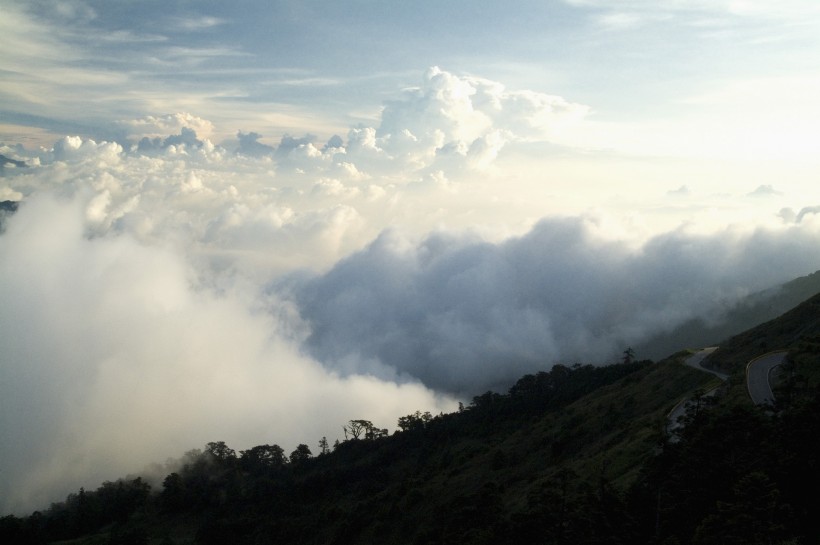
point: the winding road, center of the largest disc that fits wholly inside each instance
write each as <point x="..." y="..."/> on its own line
<point x="758" y="381"/>
<point x="758" y="376"/>
<point x="696" y="361"/>
<point x="673" y="419"/>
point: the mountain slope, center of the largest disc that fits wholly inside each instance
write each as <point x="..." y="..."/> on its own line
<point x="782" y="333"/>
<point x="753" y="310"/>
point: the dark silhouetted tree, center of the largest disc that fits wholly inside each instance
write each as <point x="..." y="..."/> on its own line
<point x="262" y="457"/>
<point x="172" y="497"/>
<point x="220" y="452"/>
<point x="415" y="421"/>
<point x="300" y="455"/>
<point x="357" y="428"/>
<point x="628" y="356"/>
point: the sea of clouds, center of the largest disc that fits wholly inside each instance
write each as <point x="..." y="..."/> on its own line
<point x="166" y="291"/>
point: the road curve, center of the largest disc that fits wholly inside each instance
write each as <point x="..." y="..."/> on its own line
<point x="758" y="384"/>
<point x="696" y="361"/>
<point x="673" y="419"/>
<point x="758" y="372"/>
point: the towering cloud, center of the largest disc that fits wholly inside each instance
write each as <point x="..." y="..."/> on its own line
<point x="463" y="122"/>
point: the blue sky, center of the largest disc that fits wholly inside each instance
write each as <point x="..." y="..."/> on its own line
<point x="252" y="221"/>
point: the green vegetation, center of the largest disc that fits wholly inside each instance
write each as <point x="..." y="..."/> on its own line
<point x="576" y="455"/>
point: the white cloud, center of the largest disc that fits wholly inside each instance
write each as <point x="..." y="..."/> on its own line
<point x="197" y="23"/>
<point x="466" y="116"/>
<point x="162" y="126"/>
<point x="749" y="8"/>
<point x="74" y="10"/>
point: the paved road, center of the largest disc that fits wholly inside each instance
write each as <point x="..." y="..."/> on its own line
<point x="758" y="373"/>
<point x="695" y="360"/>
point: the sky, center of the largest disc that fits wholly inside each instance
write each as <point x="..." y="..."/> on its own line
<point x="254" y="221"/>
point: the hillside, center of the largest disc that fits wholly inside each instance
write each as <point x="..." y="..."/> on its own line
<point x="751" y="311"/>
<point x="782" y="333"/>
<point x="449" y="475"/>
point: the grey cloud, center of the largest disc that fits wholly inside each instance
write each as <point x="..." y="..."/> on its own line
<point x="334" y="142"/>
<point x="463" y="315"/>
<point x="765" y="190"/>
<point x="290" y="143"/>
<point x="186" y="137"/>
<point x="806" y="211"/>
<point x="249" y="145"/>
<point x="788" y="215"/>
<point x="682" y="191"/>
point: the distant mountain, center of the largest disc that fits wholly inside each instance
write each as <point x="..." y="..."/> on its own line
<point x="748" y="313"/>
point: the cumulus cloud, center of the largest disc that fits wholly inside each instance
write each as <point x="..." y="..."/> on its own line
<point x="458" y="123"/>
<point x="249" y="145"/>
<point x="160" y="126"/>
<point x="464" y="315"/>
<point x="235" y="211"/>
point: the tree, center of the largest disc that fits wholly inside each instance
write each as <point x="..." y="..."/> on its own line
<point x="376" y="433"/>
<point x="263" y="456"/>
<point x="220" y="452"/>
<point x="414" y="421"/>
<point x="357" y="428"/>
<point x="754" y="516"/>
<point x="300" y="455"/>
<point x="628" y="356"/>
<point x="172" y="497"/>
<point x="323" y="446"/>
<point x="365" y="429"/>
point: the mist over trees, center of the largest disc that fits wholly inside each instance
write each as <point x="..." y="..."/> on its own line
<point x="575" y="455"/>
